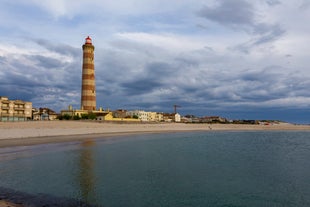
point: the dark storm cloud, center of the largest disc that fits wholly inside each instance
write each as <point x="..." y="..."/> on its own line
<point x="258" y="86"/>
<point x="140" y="86"/>
<point x="58" y="48"/>
<point x="159" y="69"/>
<point x="127" y="69"/>
<point x="25" y="88"/>
<point x="270" y="84"/>
<point x="43" y="79"/>
<point x="267" y="36"/>
<point x="241" y="15"/>
<point x="127" y="74"/>
<point x="264" y="76"/>
<point x="252" y="87"/>
<point x="46" y="62"/>
<point x="230" y="12"/>
<point x="270" y="35"/>
<point x="170" y="81"/>
<point x="197" y="80"/>
<point x="149" y="80"/>
<point x="17" y="93"/>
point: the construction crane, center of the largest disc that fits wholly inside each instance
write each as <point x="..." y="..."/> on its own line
<point x="175" y="108"/>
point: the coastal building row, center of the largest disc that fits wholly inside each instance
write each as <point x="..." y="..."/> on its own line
<point x="18" y="110"/>
<point x="15" y="110"/>
<point x="205" y="119"/>
<point x="124" y="115"/>
<point x="154" y="116"/>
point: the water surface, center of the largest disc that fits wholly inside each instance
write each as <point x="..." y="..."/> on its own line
<point x="175" y="169"/>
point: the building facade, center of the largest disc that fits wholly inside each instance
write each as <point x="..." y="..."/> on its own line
<point x="88" y="91"/>
<point x="15" y="110"/>
<point x="159" y="117"/>
<point x="120" y="113"/>
<point x="43" y="114"/>
<point x="142" y="115"/>
<point x="146" y="116"/>
<point x="175" y="117"/>
<point x="73" y="112"/>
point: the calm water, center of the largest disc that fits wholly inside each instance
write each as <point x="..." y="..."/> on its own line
<point x="225" y="169"/>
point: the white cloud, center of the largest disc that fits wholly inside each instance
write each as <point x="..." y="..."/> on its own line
<point x="71" y="8"/>
<point x="168" y="42"/>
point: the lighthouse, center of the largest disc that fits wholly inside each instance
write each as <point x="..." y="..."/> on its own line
<point x="88" y="92"/>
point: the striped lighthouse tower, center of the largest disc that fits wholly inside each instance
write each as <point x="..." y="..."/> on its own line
<point x="88" y="92"/>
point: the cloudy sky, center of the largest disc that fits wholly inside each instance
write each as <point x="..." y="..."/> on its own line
<point x="240" y="59"/>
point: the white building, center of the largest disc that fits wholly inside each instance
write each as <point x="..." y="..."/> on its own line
<point x="177" y="117"/>
<point x="146" y="115"/>
<point x="172" y="117"/>
<point x="142" y="115"/>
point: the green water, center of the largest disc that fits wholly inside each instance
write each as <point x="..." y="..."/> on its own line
<point x="224" y="169"/>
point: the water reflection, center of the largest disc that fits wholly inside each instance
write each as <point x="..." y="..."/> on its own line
<point x="86" y="178"/>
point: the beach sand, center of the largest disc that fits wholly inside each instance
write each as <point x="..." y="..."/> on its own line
<point x="40" y="132"/>
<point x="9" y="204"/>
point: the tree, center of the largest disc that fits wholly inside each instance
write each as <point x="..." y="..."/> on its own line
<point x="65" y="117"/>
<point x="92" y="116"/>
<point x="84" y="116"/>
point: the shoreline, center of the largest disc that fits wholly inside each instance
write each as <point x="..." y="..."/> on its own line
<point x="44" y="132"/>
<point x="29" y="141"/>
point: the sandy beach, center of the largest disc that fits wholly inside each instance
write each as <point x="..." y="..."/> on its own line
<point x="39" y="132"/>
<point x="9" y="204"/>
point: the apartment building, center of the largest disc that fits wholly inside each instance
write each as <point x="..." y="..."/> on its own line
<point x="14" y="110"/>
<point x="159" y="117"/>
<point x="146" y="116"/>
<point x="143" y="115"/>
